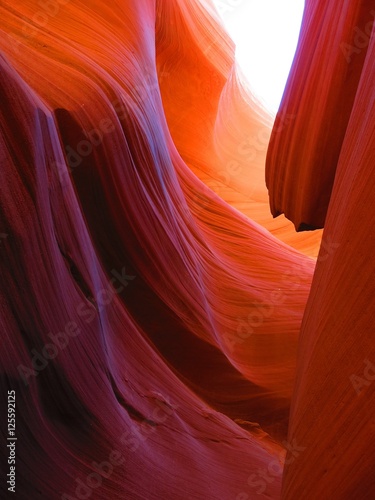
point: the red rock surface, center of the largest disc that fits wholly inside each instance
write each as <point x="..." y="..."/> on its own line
<point x="150" y="304"/>
<point x="333" y="406"/>
<point x="316" y="107"/>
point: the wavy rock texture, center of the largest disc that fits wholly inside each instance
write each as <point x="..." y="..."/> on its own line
<point x="332" y="412"/>
<point x="151" y="306"/>
<point x="317" y="104"/>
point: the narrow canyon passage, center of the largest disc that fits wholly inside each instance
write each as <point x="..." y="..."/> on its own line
<point x="175" y="324"/>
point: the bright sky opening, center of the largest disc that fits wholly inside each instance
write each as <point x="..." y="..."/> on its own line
<point x="266" y="34"/>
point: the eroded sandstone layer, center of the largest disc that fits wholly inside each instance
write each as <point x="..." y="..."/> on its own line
<point x="151" y="306"/>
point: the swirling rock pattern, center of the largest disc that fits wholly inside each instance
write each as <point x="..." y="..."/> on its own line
<point x="151" y="307"/>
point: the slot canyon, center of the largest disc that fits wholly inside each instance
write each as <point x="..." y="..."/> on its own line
<point x="187" y="298"/>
